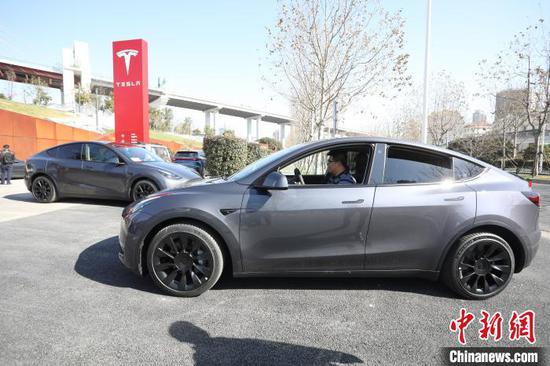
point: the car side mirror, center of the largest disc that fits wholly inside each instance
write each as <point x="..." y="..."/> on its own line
<point x="120" y="162"/>
<point x="274" y="181"/>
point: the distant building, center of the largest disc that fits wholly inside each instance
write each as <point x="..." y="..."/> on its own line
<point x="479" y="117"/>
<point x="479" y="125"/>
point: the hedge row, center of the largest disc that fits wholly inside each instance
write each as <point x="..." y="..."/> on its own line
<point x="227" y="154"/>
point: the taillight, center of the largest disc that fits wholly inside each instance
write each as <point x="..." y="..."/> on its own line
<point x="533" y="197"/>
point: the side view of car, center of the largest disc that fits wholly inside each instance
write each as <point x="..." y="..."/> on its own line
<point x="405" y="210"/>
<point x="191" y="159"/>
<point x="100" y="170"/>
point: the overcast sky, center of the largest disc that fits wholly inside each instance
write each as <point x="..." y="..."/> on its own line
<point x="212" y="49"/>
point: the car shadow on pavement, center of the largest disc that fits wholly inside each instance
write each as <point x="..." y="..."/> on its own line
<point x="99" y="262"/>
<point x="410" y="285"/>
<point x="210" y="350"/>
<point x="27" y="197"/>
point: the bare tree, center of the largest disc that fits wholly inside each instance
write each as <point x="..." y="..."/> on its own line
<point x="323" y="51"/>
<point x="445" y="122"/>
<point x="407" y="117"/>
<point x="525" y="65"/>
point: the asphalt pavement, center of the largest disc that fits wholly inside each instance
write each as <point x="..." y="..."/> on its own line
<point x="65" y="299"/>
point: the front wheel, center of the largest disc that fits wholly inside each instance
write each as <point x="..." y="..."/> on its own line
<point x="184" y="260"/>
<point x="142" y="189"/>
<point x="44" y="190"/>
<point x="480" y="266"/>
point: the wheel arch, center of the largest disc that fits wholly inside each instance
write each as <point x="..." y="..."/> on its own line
<point x="231" y="259"/>
<point x="44" y="174"/>
<point x="498" y="229"/>
<point x="138" y="178"/>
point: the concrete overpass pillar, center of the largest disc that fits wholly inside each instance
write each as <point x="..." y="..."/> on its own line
<point x="282" y="134"/>
<point x="210" y="119"/>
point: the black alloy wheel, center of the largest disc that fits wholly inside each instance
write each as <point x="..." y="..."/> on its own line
<point x="43" y="189"/>
<point x="184" y="260"/>
<point x="142" y="189"/>
<point x="482" y="266"/>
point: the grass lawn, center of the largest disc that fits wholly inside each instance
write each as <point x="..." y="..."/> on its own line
<point x="538" y="177"/>
<point x="32" y="110"/>
<point x="159" y="135"/>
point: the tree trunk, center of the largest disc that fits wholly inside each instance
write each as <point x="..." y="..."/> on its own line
<point x="515" y="143"/>
<point x="535" y="170"/>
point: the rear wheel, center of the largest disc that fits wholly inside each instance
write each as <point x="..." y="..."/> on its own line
<point x="184" y="260"/>
<point x="44" y="190"/>
<point x="142" y="189"/>
<point x="480" y="266"/>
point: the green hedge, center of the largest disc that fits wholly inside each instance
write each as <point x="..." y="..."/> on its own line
<point x="255" y="151"/>
<point x="271" y="143"/>
<point x="224" y="155"/>
<point x="227" y="154"/>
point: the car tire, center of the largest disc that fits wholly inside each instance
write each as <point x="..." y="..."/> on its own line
<point x="184" y="260"/>
<point x="43" y="189"/>
<point x="480" y="266"/>
<point x="143" y="188"/>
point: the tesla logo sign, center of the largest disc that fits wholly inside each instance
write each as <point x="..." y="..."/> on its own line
<point x="131" y="91"/>
<point x="127" y="54"/>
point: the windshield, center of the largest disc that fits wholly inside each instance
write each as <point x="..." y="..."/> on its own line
<point x="138" y="154"/>
<point x="186" y="154"/>
<point x="262" y="163"/>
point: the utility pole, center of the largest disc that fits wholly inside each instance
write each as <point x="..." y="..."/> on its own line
<point x="335" y="119"/>
<point x="426" y="72"/>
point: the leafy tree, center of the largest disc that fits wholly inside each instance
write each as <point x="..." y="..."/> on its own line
<point x="184" y="128"/>
<point x="160" y="119"/>
<point x="196" y="132"/>
<point x="41" y="97"/>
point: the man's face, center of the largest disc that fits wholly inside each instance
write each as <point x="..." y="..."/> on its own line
<point x="334" y="167"/>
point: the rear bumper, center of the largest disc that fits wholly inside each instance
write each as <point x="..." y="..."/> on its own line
<point x="532" y="246"/>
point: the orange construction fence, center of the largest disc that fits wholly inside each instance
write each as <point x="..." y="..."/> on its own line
<point x="28" y="135"/>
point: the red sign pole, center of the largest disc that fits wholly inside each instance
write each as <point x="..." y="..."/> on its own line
<point x="131" y="91"/>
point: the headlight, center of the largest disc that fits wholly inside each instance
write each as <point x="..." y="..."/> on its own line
<point x="144" y="202"/>
<point x="169" y="175"/>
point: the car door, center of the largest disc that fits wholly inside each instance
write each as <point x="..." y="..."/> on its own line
<point x="310" y="227"/>
<point x="65" y="169"/>
<point x="104" y="172"/>
<point x="417" y="210"/>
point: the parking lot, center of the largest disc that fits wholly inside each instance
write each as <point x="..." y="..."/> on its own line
<point x="66" y="299"/>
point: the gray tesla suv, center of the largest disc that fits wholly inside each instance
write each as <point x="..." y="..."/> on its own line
<point x="101" y="170"/>
<point x="406" y="210"/>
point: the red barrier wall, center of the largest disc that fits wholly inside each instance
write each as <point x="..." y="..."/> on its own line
<point x="28" y="135"/>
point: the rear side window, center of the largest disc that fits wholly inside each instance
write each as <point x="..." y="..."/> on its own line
<point x="465" y="170"/>
<point x="416" y="166"/>
<point x="72" y="151"/>
<point x="186" y="154"/>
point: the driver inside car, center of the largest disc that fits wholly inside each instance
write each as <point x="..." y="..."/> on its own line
<point x="337" y="169"/>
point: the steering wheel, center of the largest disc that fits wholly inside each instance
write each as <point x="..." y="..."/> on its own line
<point x="298" y="176"/>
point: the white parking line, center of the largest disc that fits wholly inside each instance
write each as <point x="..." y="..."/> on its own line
<point x="17" y="202"/>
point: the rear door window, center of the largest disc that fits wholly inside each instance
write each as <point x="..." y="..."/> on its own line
<point x="405" y="165"/>
<point x="71" y="152"/>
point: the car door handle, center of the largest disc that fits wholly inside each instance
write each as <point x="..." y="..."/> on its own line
<point x="459" y="198"/>
<point x="352" y="202"/>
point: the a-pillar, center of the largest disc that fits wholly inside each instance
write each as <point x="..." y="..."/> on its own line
<point x="210" y="119"/>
